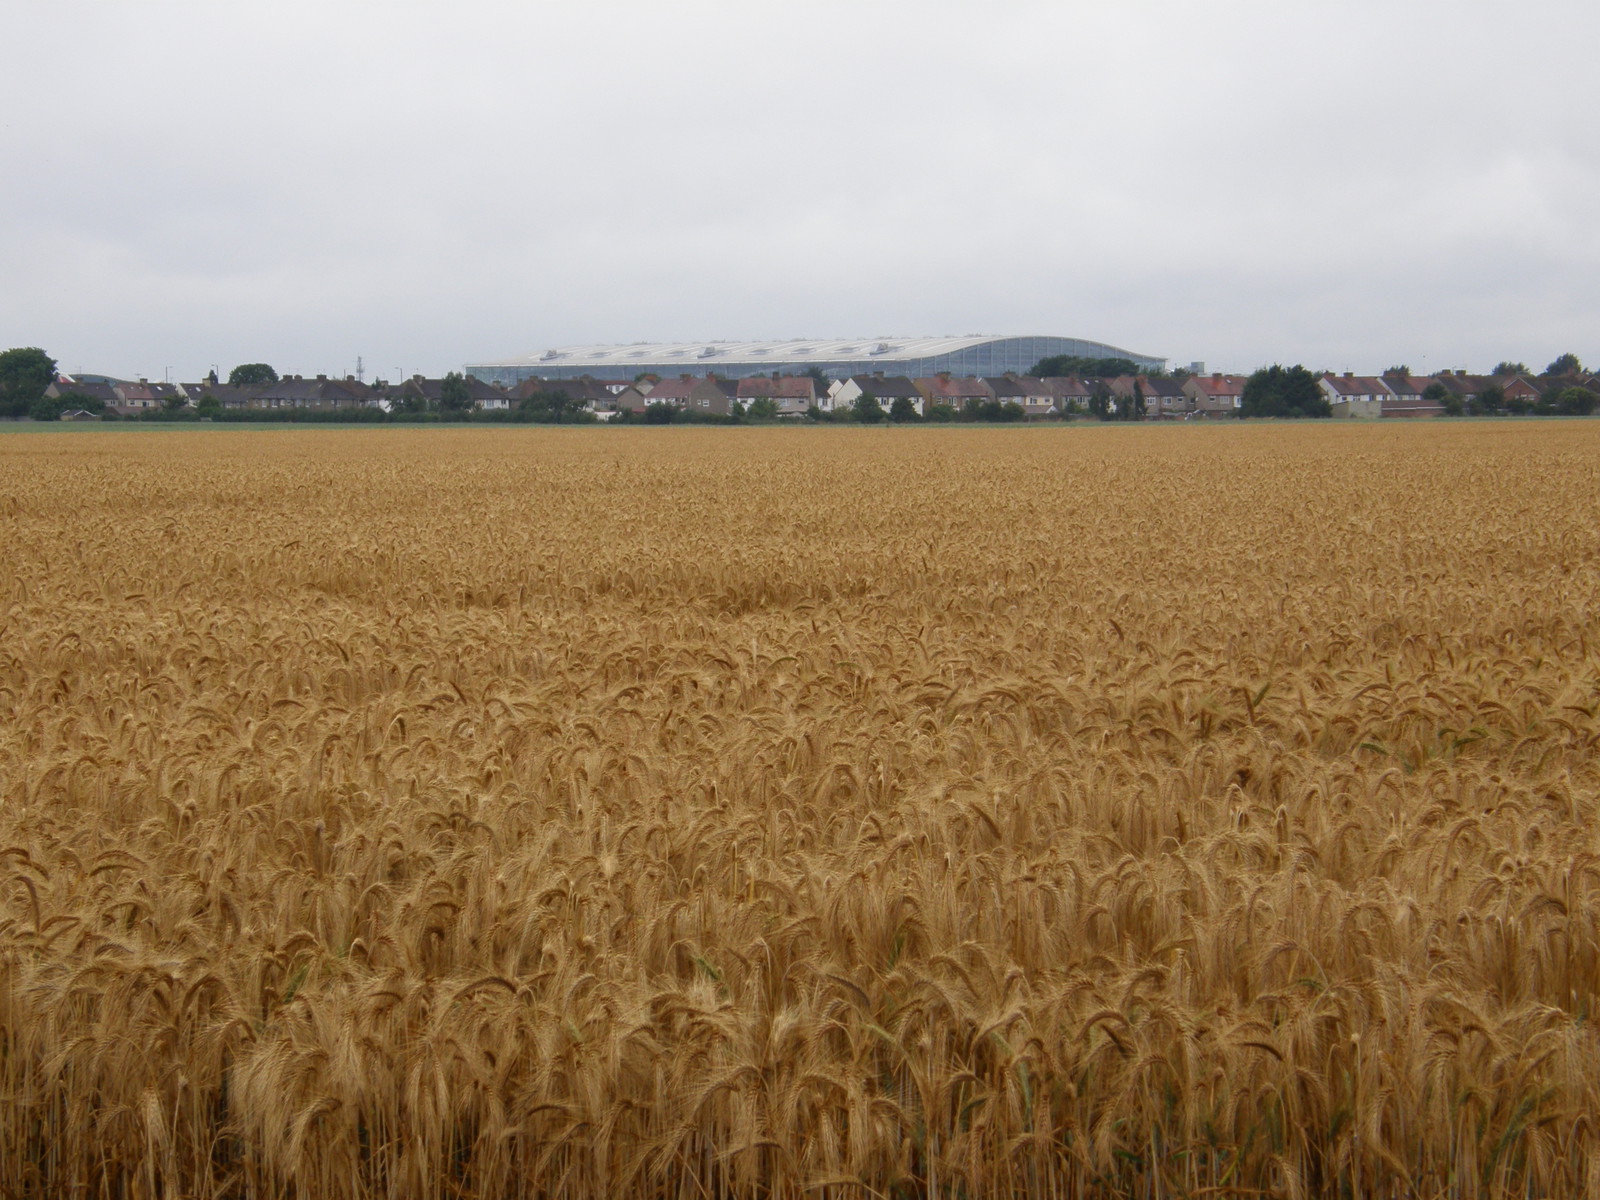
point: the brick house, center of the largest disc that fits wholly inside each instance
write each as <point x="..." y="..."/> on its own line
<point x="793" y="394"/>
<point x="1215" y="395"/>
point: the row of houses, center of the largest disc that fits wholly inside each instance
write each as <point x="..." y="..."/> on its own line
<point x="322" y="393"/>
<point x="1187" y="397"/>
<point x="1396" y="394"/>
<point x="1399" y="394"/>
<point x="793" y="396"/>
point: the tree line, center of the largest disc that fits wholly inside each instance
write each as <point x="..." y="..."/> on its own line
<point x="1271" y="392"/>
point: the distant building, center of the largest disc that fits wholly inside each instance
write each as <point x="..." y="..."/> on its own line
<point x="1215" y="395"/>
<point x="885" y="389"/>
<point x="794" y="395"/>
<point x="834" y="358"/>
<point x="1352" y="396"/>
<point x="1405" y="397"/>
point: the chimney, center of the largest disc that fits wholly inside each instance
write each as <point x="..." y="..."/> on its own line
<point x="322" y="379"/>
<point x="1216" y="376"/>
<point x="685" y="378"/>
<point x="142" y="379"/>
<point x="1349" y="374"/>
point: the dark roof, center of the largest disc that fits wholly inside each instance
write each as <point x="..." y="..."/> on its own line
<point x="671" y="389"/>
<point x="1066" y="386"/>
<point x="1219" y="385"/>
<point x="887" y="387"/>
<point x="1167" y="389"/>
<point x="948" y="387"/>
<point x="785" y="387"/>
<point x="321" y="389"/>
<point x="1356" y="385"/>
<point x="429" y="389"/>
<point x="1406" y="386"/>
<point x="585" y="390"/>
<point x="95" y="391"/>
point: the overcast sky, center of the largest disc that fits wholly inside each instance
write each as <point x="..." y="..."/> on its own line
<point x="1349" y="184"/>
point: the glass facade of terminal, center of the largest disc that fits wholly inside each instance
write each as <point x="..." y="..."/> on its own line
<point x="994" y="356"/>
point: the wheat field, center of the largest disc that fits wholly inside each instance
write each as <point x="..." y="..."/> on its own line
<point x="823" y="813"/>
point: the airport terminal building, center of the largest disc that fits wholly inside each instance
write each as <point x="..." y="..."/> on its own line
<point x="912" y="357"/>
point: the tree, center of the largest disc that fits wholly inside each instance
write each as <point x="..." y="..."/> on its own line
<point x="1576" y="402"/>
<point x="174" y="402"/>
<point x="251" y="375"/>
<point x="1279" y="391"/>
<point x="1135" y="409"/>
<point x="1402" y="370"/>
<point x="209" y="407"/>
<point x="658" y="413"/>
<point x="1101" y="402"/>
<point x="454" y="394"/>
<point x="1076" y="364"/>
<point x="548" y="407"/>
<point x="940" y="414"/>
<point x="903" y="409"/>
<point x="867" y="410"/>
<point x="25" y="373"/>
<point x="763" y="408"/>
<point x="1566" y="364"/>
<point x="1511" y="368"/>
<point x="1491" y="399"/>
<point x="46" y="409"/>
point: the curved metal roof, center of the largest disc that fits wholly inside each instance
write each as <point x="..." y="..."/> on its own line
<point x="705" y="356"/>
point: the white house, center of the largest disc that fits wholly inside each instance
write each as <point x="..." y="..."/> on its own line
<point x="885" y="389"/>
<point x="1353" y="396"/>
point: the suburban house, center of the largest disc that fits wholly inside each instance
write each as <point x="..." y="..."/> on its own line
<point x="713" y="395"/>
<point x="225" y="394"/>
<point x="323" y="394"/>
<point x="1007" y="390"/>
<point x="1462" y="386"/>
<point x="1165" y="398"/>
<point x="885" y="389"/>
<point x="793" y="394"/>
<point x="1520" y="391"/>
<point x="1405" y="397"/>
<point x="587" y="392"/>
<point x="483" y="396"/>
<point x="1215" y="395"/>
<point x="671" y="391"/>
<point x="954" y="393"/>
<point x="633" y="398"/>
<point x="65" y="385"/>
<point x="1027" y="392"/>
<point x="1354" y="396"/>
<point x="126" y="399"/>
<point x="1071" y="393"/>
